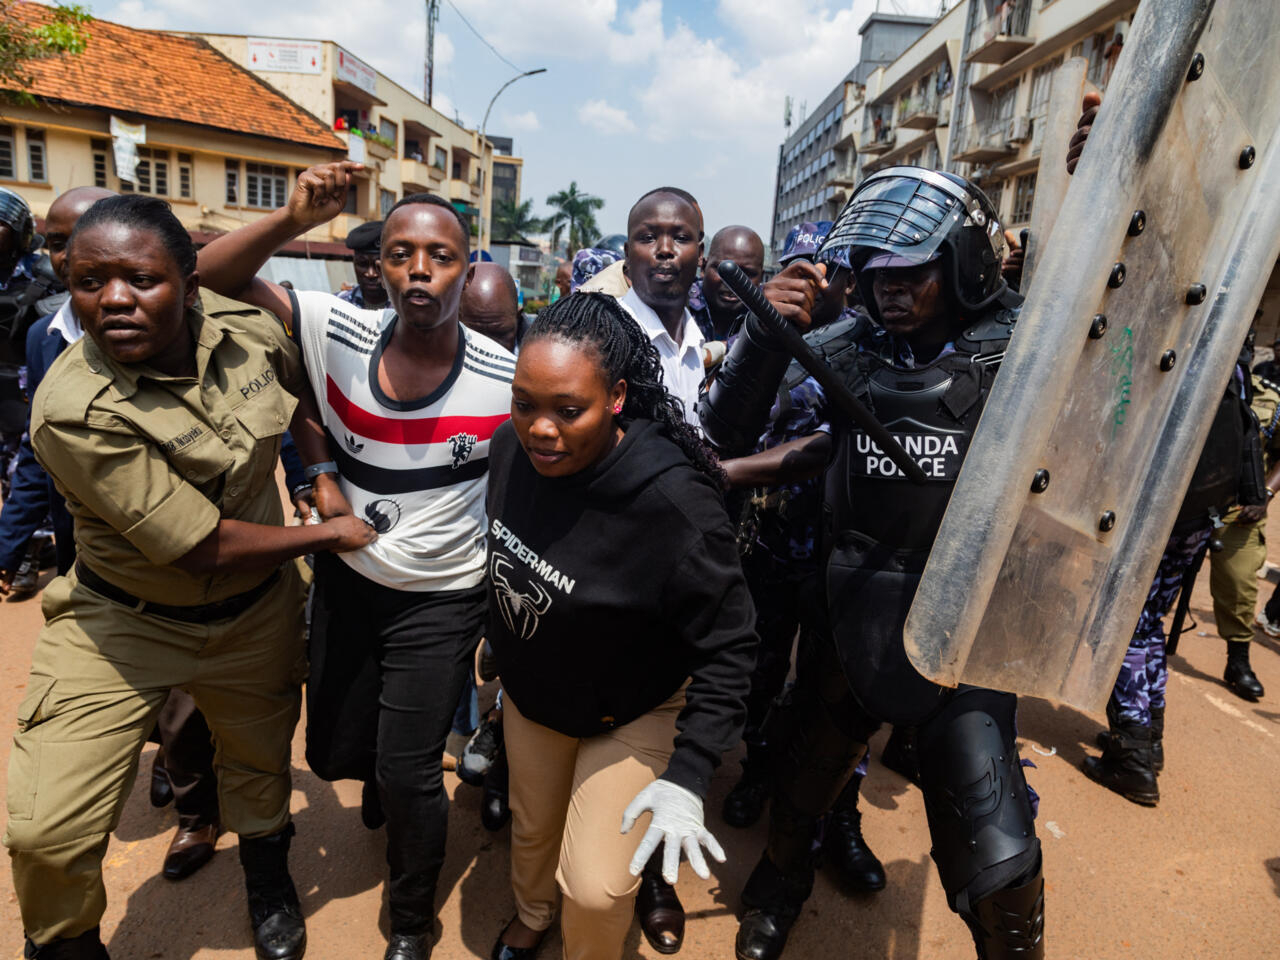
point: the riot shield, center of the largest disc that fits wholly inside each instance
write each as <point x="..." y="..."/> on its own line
<point x="1142" y="298"/>
<point x="1066" y="91"/>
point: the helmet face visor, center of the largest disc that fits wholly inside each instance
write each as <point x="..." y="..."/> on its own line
<point x="907" y="212"/>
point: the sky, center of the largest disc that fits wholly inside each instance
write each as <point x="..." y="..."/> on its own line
<point x="637" y="93"/>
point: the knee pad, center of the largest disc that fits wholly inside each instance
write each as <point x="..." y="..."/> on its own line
<point x="976" y="797"/>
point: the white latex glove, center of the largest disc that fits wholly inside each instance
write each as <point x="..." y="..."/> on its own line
<point x="677" y="819"/>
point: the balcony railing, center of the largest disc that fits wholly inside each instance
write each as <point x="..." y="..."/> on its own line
<point x="918" y="112"/>
<point x="982" y="142"/>
<point x="1003" y="35"/>
<point x="881" y="142"/>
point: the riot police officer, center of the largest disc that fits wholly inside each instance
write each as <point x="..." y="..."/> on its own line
<point x="926" y="253"/>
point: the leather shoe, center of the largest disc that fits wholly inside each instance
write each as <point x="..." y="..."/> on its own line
<point x="161" y="788"/>
<point x="190" y="850"/>
<point x="660" y="912"/>
<point x="1240" y="677"/>
<point x="404" y="947"/>
<point x="762" y="934"/>
<point x="503" y="951"/>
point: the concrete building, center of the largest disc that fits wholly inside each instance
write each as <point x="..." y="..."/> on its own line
<point x="407" y="146"/>
<point x="221" y="146"/>
<point x="816" y="162"/>
<point x="967" y="92"/>
<point x="506" y="170"/>
<point x="1010" y="51"/>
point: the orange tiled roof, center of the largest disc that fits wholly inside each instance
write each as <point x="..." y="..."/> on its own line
<point x="173" y="78"/>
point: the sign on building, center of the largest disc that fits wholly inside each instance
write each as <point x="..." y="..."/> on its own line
<point x="355" y="71"/>
<point x="284" y="56"/>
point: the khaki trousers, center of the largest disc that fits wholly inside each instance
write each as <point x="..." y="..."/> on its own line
<point x="1233" y="577"/>
<point x="567" y="798"/>
<point x="100" y="674"/>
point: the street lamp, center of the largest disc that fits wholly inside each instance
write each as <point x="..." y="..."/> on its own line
<point x="487" y="232"/>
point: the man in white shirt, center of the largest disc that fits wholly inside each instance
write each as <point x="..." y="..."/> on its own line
<point x="663" y="249"/>
<point x="406" y="400"/>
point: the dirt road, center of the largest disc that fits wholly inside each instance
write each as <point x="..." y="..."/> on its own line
<point x="1197" y="877"/>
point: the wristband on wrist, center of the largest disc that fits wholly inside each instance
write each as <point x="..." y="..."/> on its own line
<point x="313" y="471"/>
<point x="300" y="490"/>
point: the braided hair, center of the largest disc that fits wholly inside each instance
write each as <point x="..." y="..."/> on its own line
<point x="597" y="321"/>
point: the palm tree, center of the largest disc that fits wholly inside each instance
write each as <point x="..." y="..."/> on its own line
<point x="573" y="218"/>
<point x="514" y="221"/>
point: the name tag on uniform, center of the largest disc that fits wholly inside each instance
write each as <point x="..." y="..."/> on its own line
<point x="939" y="452"/>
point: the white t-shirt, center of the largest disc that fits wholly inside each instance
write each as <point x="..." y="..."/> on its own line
<point x="417" y="471"/>
<point x="682" y="370"/>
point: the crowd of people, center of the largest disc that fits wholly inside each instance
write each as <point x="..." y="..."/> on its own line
<point x="637" y="507"/>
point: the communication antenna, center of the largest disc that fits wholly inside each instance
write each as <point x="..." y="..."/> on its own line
<point x="786" y="113"/>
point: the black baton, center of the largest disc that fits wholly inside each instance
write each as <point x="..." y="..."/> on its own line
<point x="848" y="404"/>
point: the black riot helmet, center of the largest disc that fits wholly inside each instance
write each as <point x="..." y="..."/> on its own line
<point x="905" y="216"/>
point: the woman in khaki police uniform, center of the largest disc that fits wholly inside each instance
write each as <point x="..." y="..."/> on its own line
<point x="162" y="429"/>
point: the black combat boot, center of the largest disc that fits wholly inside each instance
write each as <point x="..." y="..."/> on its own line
<point x="1239" y="675"/>
<point x="1009" y="924"/>
<point x="274" y="911"/>
<point x="1157" y="739"/>
<point x="1126" y="764"/>
<point x="408" y="947"/>
<point x="87" y="946"/>
<point x="780" y="884"/>
<point x="745" y="802"/>
<point x="773" y="902"/>
<point x="846" y="849"/>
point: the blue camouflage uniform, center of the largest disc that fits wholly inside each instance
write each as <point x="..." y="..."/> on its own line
<point x="1145" y="671"/>
<point x="587" y="263"/>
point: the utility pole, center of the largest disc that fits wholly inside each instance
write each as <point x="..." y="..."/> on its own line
<point x="433" y="14"/>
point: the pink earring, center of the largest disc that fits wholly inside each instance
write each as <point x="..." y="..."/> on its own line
<point x="617" y="409"/>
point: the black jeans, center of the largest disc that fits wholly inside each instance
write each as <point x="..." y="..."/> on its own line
<point x="387" y="667"/>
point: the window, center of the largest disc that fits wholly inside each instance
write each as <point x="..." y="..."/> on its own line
<point x="99" y="148"/>
<point x="386" y="200"/>
<point x="265" y="187"/>
<point x="1002" y="105"/>
<point x="1040" y="80"/>
<point x="152" y="175"/>
<point x="185" y="177"/>
<point x="457" y="171"/>
<point x="7" y="170"/>
<point x="233" y="182"/>
<point x="1024" y="195"/>
<point x="389" y="130"/>
<point x="37" y="172"/>
<point x="442" y="158"/>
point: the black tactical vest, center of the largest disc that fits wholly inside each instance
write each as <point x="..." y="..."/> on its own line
<point x="878" y="526"/>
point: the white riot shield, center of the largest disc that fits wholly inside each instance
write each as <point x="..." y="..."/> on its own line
<point x="1116" y="365"/>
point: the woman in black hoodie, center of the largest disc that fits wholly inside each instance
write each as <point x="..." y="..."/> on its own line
<point x="621" y="623"/>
